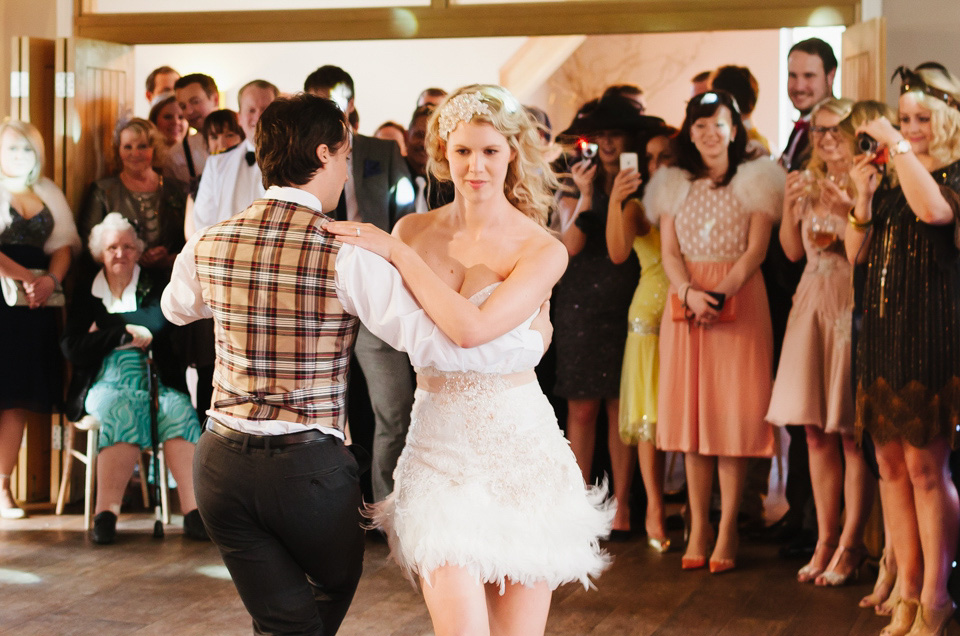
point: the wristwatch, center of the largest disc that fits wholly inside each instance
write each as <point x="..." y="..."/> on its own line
<point x="901" y="147"/>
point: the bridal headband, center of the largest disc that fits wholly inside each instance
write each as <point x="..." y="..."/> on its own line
<point x="463" y="107"/>
<point x="911" y="81"/>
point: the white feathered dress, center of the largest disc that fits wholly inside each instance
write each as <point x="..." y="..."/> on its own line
<point x="487" y="481"/>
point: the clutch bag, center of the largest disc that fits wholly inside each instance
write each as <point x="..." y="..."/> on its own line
<point x="679" y="313"/>
<point x="16" y="296"/>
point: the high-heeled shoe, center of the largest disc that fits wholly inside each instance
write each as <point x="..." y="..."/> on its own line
<point x="719" y="566"/>
<point x="886" y="608"/>
<point x="8" y="505"/>
<point x="692" y="562"/>
<point x="884" y="586"/>
<point x="932" y="621"/>
<point x="811" y="571"/>
<point x="832" y="578"/>
<point x="904" y="615"/>
<point x="659" y="545"/>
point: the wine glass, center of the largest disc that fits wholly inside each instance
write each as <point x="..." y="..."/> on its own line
<point x="823" y="230"/>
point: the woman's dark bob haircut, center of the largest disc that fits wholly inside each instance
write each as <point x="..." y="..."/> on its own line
<point x="288" y="134"/>
<point x="706" y="105"/>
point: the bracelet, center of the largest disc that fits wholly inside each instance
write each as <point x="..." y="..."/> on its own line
<point x="682" y="293"/>
<point x="56" y="283"/>
<point x="858" y="224"/>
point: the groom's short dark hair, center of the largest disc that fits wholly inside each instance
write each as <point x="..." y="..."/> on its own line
<point x="288" y="134"/>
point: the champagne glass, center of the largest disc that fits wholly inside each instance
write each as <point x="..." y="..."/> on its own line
<point x="805" y="200"/>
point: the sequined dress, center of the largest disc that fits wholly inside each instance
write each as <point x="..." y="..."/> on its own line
<point x="29" y="336"/>
<point x="590" y="305"/>
<point x="715" y="382"/>
<point x="487" y="482"/>
<point x="639" y="378"/>
<point x="812" y="384"/>
<point x="908" y="355"/>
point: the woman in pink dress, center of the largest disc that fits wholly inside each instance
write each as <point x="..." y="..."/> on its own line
<point x="716" y="211"/>
<point x="813" y="385"/>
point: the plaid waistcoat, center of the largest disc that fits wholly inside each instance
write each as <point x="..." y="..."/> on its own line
<point x="283" y="340"/>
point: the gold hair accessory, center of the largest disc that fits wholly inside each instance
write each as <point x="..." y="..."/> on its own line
<point x="461" y="108"/>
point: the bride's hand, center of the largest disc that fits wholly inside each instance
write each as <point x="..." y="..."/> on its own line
<point x="364" y="235"/>
<point x="543" y="325"/>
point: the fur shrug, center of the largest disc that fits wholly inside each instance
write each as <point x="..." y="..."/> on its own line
<point x="64" y="228"/>
<point x="757" y="185"/>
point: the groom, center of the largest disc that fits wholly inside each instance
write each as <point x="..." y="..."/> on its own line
<point x="276" y="486"/>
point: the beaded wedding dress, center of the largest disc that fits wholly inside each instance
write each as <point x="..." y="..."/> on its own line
<point x="488" y="482"/>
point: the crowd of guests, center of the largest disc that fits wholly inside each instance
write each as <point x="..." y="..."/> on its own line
<point x="713" y="293"/>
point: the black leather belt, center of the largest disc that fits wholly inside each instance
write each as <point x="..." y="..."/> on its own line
<point x="269" y="441"/>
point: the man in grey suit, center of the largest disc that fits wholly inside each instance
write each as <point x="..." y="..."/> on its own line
<point x="378" y="191"/>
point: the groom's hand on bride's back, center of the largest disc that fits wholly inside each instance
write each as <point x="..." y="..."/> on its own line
<point x="543" y="325"/>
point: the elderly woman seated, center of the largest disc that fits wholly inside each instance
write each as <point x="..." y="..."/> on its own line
<point x="111" y="325"/>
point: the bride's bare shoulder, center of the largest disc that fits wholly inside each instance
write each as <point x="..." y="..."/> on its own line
<point x="413" y="225"/>
<point x="540" y="243"/>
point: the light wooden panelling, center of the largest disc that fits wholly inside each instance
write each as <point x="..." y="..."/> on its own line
<point x="442" y="21"/>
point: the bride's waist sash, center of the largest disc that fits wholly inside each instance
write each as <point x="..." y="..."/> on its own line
<point x="435" y="381"/>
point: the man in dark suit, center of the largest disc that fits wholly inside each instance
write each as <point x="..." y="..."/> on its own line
<point x="811" y="66"/>
<point x="379" y="191"/>
<point x="430" y="193"/>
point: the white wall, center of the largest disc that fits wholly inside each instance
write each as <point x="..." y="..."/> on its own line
<point x="920" y="31"/>
<point x="388" y="74"/>
<point x="662" y="64"/>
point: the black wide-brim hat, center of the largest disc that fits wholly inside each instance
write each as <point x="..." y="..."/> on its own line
<point x="612" y="113"/>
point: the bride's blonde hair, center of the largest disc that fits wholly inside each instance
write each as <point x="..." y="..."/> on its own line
<point x="530" y="181"/>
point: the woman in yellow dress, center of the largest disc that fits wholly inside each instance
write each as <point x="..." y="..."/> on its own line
<point x="628" y="228"/>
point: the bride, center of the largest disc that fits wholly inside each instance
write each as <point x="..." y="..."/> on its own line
<point x="489" y="508"/>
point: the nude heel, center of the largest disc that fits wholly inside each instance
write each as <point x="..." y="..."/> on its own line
<point x="904" y="616"/>
<point x="932" y="621"/>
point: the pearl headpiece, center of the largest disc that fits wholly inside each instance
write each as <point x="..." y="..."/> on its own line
<point x="463" y="107"/>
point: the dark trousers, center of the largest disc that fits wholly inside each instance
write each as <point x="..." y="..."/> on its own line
<point x="287" y="523"/>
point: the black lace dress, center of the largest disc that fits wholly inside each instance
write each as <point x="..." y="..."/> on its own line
<point x="31" y="375"/>
<point x="908" y="356"/>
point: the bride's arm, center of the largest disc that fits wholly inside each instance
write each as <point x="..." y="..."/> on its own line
<point x="514" y="300"/>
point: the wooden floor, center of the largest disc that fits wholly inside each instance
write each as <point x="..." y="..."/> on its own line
<point x="55" y="582"/>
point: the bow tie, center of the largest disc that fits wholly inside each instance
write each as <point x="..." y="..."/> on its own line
<point x="802" y="125"/>
<point x="251" y="158"/>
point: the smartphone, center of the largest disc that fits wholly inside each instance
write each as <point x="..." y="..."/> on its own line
<point x="629" y="161"/>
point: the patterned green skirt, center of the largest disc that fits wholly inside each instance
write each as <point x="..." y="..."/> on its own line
<point x="120" y="400"/>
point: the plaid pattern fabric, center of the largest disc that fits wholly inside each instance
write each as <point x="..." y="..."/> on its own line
<point x="283" y="340"/>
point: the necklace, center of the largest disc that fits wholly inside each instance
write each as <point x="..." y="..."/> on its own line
<point x="887" y="240"/>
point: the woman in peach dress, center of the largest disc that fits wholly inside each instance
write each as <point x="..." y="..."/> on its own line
<point x="716" y="211"/>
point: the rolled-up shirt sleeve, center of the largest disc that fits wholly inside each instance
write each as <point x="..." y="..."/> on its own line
<point x="372" y="289"/>
<point x="182" y="300"/>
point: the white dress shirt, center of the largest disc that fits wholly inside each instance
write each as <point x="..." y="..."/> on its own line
<point x="372" y="289"/>
<point x="228" y="186"/>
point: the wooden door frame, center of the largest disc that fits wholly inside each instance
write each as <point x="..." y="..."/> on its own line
<point x="445" y="19"/>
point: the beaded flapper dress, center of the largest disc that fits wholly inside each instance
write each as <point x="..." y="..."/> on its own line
<point x="487" y="482"/>
<point x="639" y="378"/>
<point x="908" y="356"/>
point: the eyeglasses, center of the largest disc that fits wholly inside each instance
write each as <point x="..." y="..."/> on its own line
<point x="820" y="131"/>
